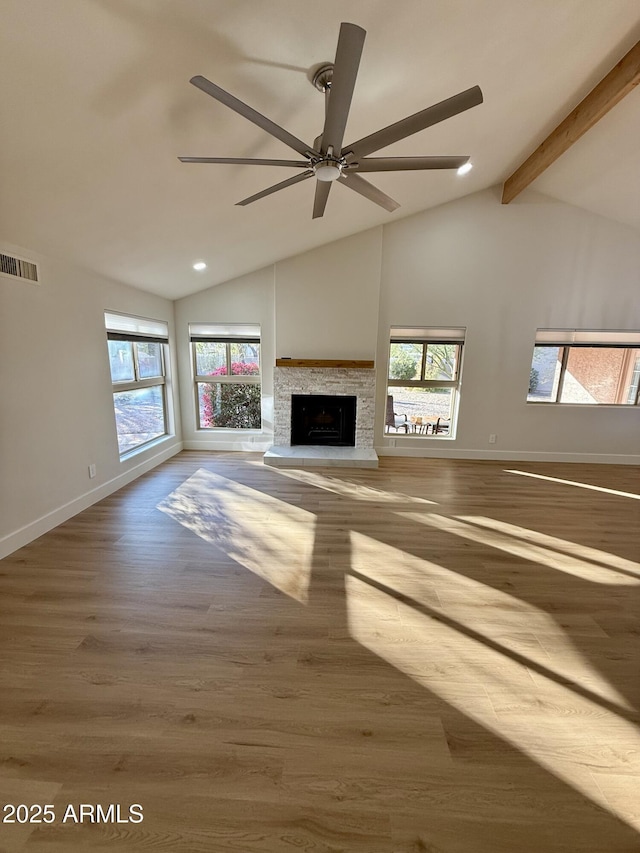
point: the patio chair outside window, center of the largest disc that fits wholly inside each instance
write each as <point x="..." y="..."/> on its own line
<point x="393" y="420"/>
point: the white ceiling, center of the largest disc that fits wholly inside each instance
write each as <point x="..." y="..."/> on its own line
<point x="96" y="106"/>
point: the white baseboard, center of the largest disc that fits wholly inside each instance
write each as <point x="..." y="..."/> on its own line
<point x="511" y="455"/>
<point x="42" y="525"/>
<point x="245" y="445"/>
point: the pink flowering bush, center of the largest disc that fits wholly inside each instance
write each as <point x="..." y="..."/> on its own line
<point x="228" y="405"/>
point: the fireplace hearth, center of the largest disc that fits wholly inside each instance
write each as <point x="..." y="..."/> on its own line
<point x="321" y="419"/>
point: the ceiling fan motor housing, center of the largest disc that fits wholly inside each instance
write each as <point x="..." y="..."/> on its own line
<point x="328" y="169"/>
<point x="322" y="77"/>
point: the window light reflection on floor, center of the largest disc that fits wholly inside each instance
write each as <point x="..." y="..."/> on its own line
<point x="235" y="518"/>
<point x="492" y="687"/>
<point x="511" y="626"/>
<point x="354" y="491"/>
<point x="632" y="495"/>
<point x="526" y="550"/>
<point x="594" y="555"/>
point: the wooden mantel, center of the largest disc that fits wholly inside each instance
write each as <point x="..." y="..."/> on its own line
<point x="325" y="362"/>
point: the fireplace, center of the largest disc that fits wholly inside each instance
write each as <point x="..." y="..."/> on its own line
<point x="325" y="432"/>
<point x="322" y="419"/>
<point x="324" y="381"/>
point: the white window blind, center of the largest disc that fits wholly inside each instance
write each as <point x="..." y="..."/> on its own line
<point x="587" y="337"/>
<point x="404" y="333"/>
<point x="131" y="328"/>
<point x="224" y="331"/>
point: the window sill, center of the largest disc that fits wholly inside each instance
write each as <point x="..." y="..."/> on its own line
<point x="148" y="445"/>
<point x="414" y="436"/>
<point x="228" y="431"/>
<point x="550" y="404"/>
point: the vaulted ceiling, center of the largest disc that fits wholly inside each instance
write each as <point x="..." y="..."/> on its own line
<point x="96" y="107"/>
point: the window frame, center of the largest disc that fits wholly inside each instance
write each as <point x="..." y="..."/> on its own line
<point x="140" y="381"/>
<point x="425" y="337"/>
<point x="224" y="379"/>
<point x="135" y="331"/>
<point x="573" y="339"/>
<point x="425" y="383"/>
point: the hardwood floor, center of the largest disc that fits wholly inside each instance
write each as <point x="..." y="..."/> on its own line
<point x="436" y="656"/>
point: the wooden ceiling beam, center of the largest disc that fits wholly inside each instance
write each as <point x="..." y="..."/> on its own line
<point x="619" y="82"/>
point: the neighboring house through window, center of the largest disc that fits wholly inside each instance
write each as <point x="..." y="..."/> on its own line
<point x="226" y="368"/>
<point x="137" y="358"/>
<point x="424" y="379"/>
<point x="585" y="367"/>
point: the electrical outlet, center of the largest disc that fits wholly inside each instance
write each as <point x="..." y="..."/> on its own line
<point x="392" y="442"/>
<point x="492" y="438"/>
<point x="92" y="471"/>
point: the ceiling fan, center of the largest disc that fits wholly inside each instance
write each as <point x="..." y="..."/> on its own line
<point x="328" y="160"/>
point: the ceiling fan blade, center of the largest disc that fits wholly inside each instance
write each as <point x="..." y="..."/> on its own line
<point x="253" y="115"/>
<point x="355" y="182"/>
<point x="401" y="164"/>
<point x="343" y="81"/>
<point x="320" y="199"/>
<point x="416" y="122"/>
<point x="245" y="161"/>
<point x="276" y="187"/>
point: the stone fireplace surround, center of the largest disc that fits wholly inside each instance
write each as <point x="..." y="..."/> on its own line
<point x="359" y="382"/>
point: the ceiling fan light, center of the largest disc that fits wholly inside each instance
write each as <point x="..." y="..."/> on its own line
<point x="327" y="171"/>
<point x="199" y="266"/>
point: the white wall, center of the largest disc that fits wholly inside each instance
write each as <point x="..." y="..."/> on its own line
<point x="503" y="271"/>
<point x="56" y="405"/>
<point x="327" y="300"/>
<point x="249" y="299"/>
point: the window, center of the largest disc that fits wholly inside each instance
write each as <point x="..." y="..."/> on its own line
<point x="226" y="367"/>
<point x="137" y="358"/>
<point x="585" y="367"/>
<point x="424" y="380"/>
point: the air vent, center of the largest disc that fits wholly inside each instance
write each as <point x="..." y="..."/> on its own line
<point x="18" y="268"/>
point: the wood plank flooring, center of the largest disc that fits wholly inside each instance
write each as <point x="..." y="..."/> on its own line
<point x="436" y="656"/>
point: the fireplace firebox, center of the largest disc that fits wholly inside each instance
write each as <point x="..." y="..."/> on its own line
<point x="323" y="419"/>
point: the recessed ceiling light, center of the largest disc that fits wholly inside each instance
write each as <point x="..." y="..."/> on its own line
<point x="199" y="265"/>
<point x="466" y="167"/>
